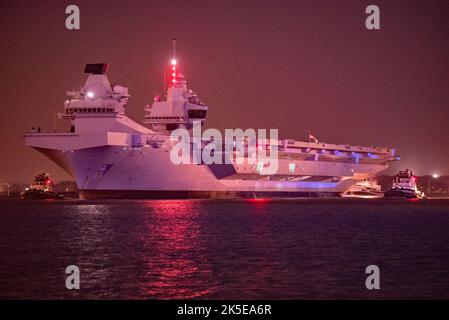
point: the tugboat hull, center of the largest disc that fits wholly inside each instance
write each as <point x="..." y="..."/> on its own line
<point x="402" y="193"/>
<point x="39" y="195"/>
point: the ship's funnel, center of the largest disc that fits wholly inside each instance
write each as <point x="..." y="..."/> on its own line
<point x="96" y="68"/>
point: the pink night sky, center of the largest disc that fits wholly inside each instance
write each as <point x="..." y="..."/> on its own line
<point x="291" y="65"/>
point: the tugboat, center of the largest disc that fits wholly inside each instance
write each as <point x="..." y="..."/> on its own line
<point x="368" y="188"/>
<point x="404" y="186"/>
<point x="40" y="188"/>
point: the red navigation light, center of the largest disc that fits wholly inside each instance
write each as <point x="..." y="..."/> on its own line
<point x="48" y="181"/>
<point x="173" y="63"/>
<point x="413" y="179"/>
<point x="173" y="73"/>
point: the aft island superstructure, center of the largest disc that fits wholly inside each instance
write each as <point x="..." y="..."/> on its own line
<point x="112" y="156"/>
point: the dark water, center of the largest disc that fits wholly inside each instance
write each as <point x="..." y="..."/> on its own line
<point x="290" y="249"/>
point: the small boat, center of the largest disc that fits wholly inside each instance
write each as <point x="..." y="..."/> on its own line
<point x="368" y="188"/>
<point x="404" y="186"/>
<point x="40" y="188"/>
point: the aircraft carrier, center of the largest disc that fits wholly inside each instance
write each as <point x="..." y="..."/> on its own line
<point x="111" y="155"/>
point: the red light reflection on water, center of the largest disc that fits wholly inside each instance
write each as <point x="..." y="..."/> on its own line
<point x="177" y="266"/>
<point x="259" y="200"/>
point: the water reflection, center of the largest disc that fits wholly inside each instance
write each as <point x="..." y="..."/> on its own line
<point x="223" y="249"/>
<point x="93" y="243"/>
<point x="175" y="251"/>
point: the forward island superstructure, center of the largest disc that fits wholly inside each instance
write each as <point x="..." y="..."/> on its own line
<point x="112" y="156"/>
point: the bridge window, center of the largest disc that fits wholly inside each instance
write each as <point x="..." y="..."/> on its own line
<point x="171" y="126"/>
<point x="197" y="114"/>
